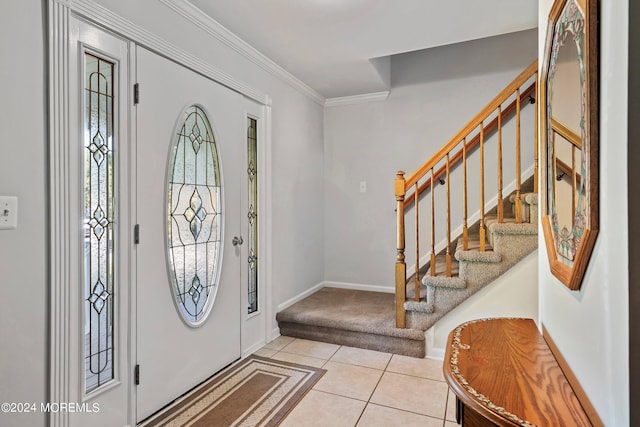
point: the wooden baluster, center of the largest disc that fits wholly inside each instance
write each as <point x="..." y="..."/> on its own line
<point x="465" y="229"/>
<point x="500" y="202"/>
<point x="536" y="142"/>
<point x="416" y="192"/>
<point x="518" y="199"/>
<point x="448" y="257"/>
<point x="482" y="228"/>
<point x="433" y="228"/>
<point x="401" y="266"/>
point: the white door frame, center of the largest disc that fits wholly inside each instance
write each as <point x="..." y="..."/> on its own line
<point x="63" y="340"/>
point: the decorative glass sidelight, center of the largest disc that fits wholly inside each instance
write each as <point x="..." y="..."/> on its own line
<point x="99" y="218"/>
<point x="252" y="215"/>
<point x="194" y="217"/>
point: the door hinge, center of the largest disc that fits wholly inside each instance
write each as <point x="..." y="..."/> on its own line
<point x="136" y="234"/>
<point x="136" y="375"/>
<point x="136" y="94"/>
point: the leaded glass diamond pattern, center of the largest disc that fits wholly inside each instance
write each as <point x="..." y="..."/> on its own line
<point x="196" y="138"/>
<point x="98" y="148"/>
<point x="194" y="217"/>
<point x="251" y="170"/>
<point x="99" y="196"/>
<point x="99" y="297"/>
<point x="98" y="222"/>
<point x="195" y="214"/>
<point x="252" y="215"/>
<point x="196" y="290"/>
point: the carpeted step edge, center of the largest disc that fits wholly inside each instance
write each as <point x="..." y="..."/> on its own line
<point x="406" y="346"/>
<point x="505" y="228"/>
<point x="284" y="317"/>
<point x="487" y="257"/>
<point x="419" y="306"/>
<point x="444" y="282"/>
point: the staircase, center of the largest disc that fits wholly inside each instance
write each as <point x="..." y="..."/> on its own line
<point x="471" y="269"/>
<point x="506" y="228"/>
<point x="503" y="230"/>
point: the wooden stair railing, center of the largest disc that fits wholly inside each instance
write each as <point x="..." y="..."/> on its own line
<point x="470" y="138"/>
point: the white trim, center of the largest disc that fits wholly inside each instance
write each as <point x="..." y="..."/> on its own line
<point x="221" y="33"/>
<point x="357" y="99"/>
<point x="62" y="266"/>
<point x="249" y="351"/>
<point x="275" y="333"/>
<point x="60" y="230"/>
<point x="475" y="217"/>
<point x="288" y="303"/>
<point x="88" y="9"/>
<point x="359" y="287"/>
<point x="435" y="353"/>
<point x="267" y="265"/>
<point x="430" y="351"/>
<point x="343" y="285"/>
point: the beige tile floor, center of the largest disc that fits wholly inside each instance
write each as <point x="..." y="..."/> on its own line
<point x="366" y="388"/>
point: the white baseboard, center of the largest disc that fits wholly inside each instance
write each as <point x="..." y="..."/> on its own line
<point x="252" y="350"/>
<point x="359" y="287"/>
<point x="331" y="284"/>
<point x="288" y="303"/>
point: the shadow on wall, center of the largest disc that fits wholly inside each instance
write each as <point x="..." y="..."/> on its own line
<point x="466" y="59"/>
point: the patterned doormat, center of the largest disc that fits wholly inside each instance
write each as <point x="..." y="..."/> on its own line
<point x="255" y="392"/>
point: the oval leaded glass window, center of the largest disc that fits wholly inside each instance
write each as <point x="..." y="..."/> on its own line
<point x="194" y="203"/>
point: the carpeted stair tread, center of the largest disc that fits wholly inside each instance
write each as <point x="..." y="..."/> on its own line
<point x="419" y="306"/>
<point x="442" y="281"/>
<point x="512" y="228"/>
<point x="531" y="198"/>
<point x="473" y="253"/>
<point x="351" y="317"/>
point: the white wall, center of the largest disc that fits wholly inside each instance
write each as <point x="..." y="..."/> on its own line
<point x="591" y="326"/>
<point x="23" y="285"/>
<point x="433" y="94"/>
<point x="297" y="146"/>
<point x="296" y="166"/>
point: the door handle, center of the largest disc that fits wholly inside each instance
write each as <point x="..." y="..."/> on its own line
<point x="237" y="241"/>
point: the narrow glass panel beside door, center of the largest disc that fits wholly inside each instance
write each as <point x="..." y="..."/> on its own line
<point x="99" y="212"/>
<point x="252" y="215"/>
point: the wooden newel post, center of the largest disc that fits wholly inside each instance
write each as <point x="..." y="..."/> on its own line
<point x="401" y="266"/>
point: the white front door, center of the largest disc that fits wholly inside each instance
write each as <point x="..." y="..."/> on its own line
<point x="181" y="341"/>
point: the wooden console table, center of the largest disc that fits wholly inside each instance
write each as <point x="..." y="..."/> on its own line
<point x="504" y="374"/>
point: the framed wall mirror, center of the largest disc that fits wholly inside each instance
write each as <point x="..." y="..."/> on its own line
<point x="569" y="138"/>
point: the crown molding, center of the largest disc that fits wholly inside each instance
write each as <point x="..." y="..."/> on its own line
<point x="357" y="99"/>
<point x="94" y="12"/>
<point x="221" y="33"/>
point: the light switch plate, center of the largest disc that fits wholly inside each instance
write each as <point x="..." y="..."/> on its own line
<point x="8" y="212"/>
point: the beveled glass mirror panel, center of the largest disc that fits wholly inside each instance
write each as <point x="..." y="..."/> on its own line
<point x="569" y="95"/>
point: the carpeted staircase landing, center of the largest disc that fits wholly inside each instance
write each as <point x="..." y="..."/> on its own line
<point x="367" y="319"/>
<point x="354" y="318"/>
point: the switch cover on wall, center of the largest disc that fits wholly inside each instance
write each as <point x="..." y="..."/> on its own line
<point x="8" y="212"/>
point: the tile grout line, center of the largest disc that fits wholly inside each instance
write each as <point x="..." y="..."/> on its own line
<point x="368" y="402"/>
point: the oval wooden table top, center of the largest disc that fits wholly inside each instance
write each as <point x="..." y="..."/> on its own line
<point x="504" y="370"/>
